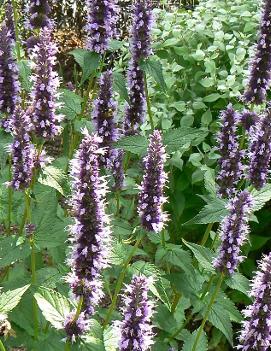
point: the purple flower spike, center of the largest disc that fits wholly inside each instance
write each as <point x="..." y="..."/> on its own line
<point x="9" y="77"/>
<point x="256" y="332"/>
<point x="23" y="152"/>
<point x="104" y="114"/>
<point x="230" y="166"/>
<point x="101" y="24"/>
<point x="141" y="30"/>
<point x="44" y="94"/>
<point x="9" y="19"/>
<point x="91" y="231"/>
<point x="136" y="329"/>
<point x="260" y="71"/>
<point x="117" y="169"/>
<point x="135" y="112"/>
<point x="260" y="151"/>
<point x="75" y="328"/>
<point x="233" y="231"/>
<point x="39" y="11"/>
<point x="151" y="197"/>
<point x="249" y="119"/>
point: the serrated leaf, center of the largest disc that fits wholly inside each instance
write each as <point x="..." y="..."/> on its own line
<point x="71" y="104"/>
<point x="87" y="60"/>
<point x="10" y="299"/>
<point x="53" y="177"/>
<point x="136" y="144"/>
<point x="154" y="69"/>
<point x="11" y="252"/>
<point x="261" y="197"/>
<point x="202" y="343"/>
<point x="111" y="338"/>
<point x="224" y="302"/>
<point x="25" y="74"/>
<point x="175" y="139"/>
<point x="203" y="255"/>
<point x="213" y="212"/>
<point x="220" y="318"/>
<point x="119" y="84"/>
<point x="239" y="282"/>
<point x="54" y="306"/>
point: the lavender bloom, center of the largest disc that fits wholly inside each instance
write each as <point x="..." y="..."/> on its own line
<point x="44" y="94"/>
<point x="9" y="77"/>
<point x="135" y="112"/>
<point x="101" y="24"/>
<point x="117" y="168"/>
<point x="9" y="19"/>
<point x="39" y="11"/>
<point x="249" y="119"/>
<point x="233" y="231"/>
<point x="104" y="116"/>
<point x="151" y="197"/>
<point x="260" y="71"/>
<point x="23" y="152"/>
<point x="260" y="151"/>
<point x="135" y="329"/>
<point x="75" y="328"/>
<point x="91" y="230"/>
<point x="231" y="169"/>
<point x="256" y="333"/>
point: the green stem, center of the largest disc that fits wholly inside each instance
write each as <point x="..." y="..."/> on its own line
<point x="10" y="193"/>
<point x="209" y="307"/>
<point x="120" y="282"/>
<point x="67" y="346"/>
<point x="15" y="14"/>
<point x="33" y="281"/>
<point x="163" y="239"/>
<point x="117" y="203"/>
<point x="2" y="347"/>
<point x="148" y="102"/>
<point x="79" y="308"/>
<point x="206" y="234"/>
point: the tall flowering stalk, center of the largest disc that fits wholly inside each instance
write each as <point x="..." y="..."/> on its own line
<point x="230" y="166"/>
<point x="9" y="19"/>
<point x="140" y="49"/>
<point x="22" y="151"/>
<point x="9" y="77"/>
<point x="104" y="116"/>
<point x="91" y="231"/>
<point x="151" y="197"/>
<point x="102" y="17"/>
<point x="38" y="11"/>
<point x="256" y="332"/>
<point x="260" y="151"/>
<point x="44" y="94"/>
<point x="249" y="119"/>
<point x="136" y="329"/>
<point x="260" y="71"/>
<point x="233" y="232"/>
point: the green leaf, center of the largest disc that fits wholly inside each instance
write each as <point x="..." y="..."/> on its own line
<point x="175" y="139"/>
<point x="10" y="299"/>
<point x="89" y="61"/>
<point x="54" y="306"/>
<point x="25" y="74"/>
<point x="110" y="338"/>
<point x="212" y="97"/>
<point x="155" y="70"/>
<point x="71" y="104"/>
<point x="239" y="282"/>
<point x="202" y="343"/>
<point x="213" y="212"/>
<point x="203" y="255"/>
<point x="119" y="84"/>
<point x="52" y="177"/>
<point x="11" y="251"/>
<point x="136" y="144"/>
<point x="261" y="197"/>
<point x="220" y="318"/>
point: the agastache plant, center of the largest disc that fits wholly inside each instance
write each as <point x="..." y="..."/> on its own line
<point x="104" y="116"/>
<point x="75" y="326"/>
<point x="234" y="230"/>
<point x="260" y="151"/>
<point x="260" y="70"/>
<point x="151" y="197"/>
<point x="9" y="76"/>
<point x="101" y="24"/>
<point x="256" y="332"/>
<point x="135" y="328"/>
<point x="230" y="166"/>
<point x="44" y="94"/>
<point x="140" y="49"/>
<point x="90" y="232"/>
<point x="22" y="151"/>
<point x="9" y="19"/>
<point x="249" y="119"/>
<point x="38" y="11"/>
